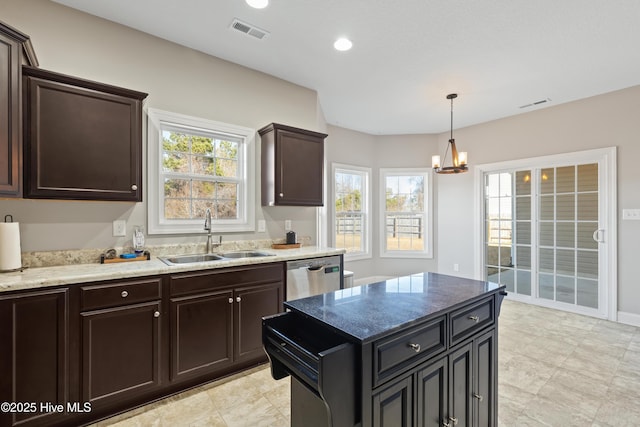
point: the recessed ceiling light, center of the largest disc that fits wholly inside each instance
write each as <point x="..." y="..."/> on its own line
<point x="258" y="4"/>
<point x="343" y="44"/>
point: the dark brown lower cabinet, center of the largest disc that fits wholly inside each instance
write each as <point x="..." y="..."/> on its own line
<point x="34" y="356"/>
<point x="201" y="334"/>
<point x="212" y="331"/>
<point x="253" y="303"/>
<point x="458" y="389"/>
<point x="118" y="344"/>
<point x="120" y="353"/>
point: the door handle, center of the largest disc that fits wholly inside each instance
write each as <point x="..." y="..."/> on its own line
<point x="598" y="235"/>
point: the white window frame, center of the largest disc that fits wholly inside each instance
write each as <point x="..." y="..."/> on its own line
<point x="428" y="213"/>
<point x="607" y="164"/>
<point x="158" y="121"/>
<point x="366" y="207"/>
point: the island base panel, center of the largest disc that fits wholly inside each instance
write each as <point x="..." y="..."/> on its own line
<point x="307" y="409"/>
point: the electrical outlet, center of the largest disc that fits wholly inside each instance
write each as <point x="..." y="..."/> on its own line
<point x="456" y="267"/>
<point x="262" y="226"/>
<point x="631" y="214"/>
<point x="287" y="225"/>
<point x="119" y="228"/>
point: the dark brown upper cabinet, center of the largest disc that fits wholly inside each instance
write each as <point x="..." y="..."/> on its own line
<point x="83" y="139"/>
<point x="292" y="166"/>
<point x="15" y="50"/>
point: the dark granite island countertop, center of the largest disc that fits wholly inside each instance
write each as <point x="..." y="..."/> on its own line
<point x="414" y="350"/>
<point x="368" y="312"/>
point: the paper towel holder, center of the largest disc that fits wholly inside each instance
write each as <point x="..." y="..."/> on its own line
<point x="9" y="219"/>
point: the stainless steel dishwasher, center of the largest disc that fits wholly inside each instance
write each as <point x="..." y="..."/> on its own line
<point x="313" y="276"/>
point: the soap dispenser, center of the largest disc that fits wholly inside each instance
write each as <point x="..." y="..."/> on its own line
<point x="138" y="240"/>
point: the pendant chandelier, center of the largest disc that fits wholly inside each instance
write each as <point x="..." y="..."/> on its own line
<point x="458" y="160"/>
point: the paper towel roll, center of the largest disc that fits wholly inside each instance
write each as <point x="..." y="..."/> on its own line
<point x="10" y="257"/>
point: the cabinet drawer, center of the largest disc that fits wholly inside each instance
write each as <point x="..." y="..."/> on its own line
<point x="409" y="347"/>
<point x="189" y="283"/>
<point x="120" y="293"/>
<point x="467" y="320"/>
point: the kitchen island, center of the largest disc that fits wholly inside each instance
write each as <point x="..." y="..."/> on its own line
<point x="419" y="350"/>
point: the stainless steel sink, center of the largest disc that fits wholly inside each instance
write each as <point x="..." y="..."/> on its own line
<point x="244" y="254"/>
<point x="187" y="259"/>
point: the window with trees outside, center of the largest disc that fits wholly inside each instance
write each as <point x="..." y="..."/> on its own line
<point x="352" y="229"/>
<point x="195" y="165"/>
<point x="406" y="213"/>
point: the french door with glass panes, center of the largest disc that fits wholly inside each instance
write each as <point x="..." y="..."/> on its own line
<point x="544" y="235"/>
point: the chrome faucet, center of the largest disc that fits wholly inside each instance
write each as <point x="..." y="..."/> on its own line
<point x="207" y="227"/>
<point x="207" y="220"/>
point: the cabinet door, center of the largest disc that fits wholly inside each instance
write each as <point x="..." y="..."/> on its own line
<point x="484" y="385"/>
<point x="34" y="354"/>
<point x="393" y="406"/>
<point x="460" y="386"/>
<point x="83" y="140"/>
<point x="299" y="169"/>
<point x="432" y="392"/>
<point x="292" y="166"/>
<point x="201" y="334"/>
<point x="120" y="352"/>
<point x="252" y="304"/>
<point x="10" y="123"/>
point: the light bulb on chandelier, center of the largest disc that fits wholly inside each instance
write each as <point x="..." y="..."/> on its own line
<point x="458" y="160"/>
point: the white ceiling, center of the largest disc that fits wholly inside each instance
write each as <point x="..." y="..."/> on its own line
<point x="409" y="54"/>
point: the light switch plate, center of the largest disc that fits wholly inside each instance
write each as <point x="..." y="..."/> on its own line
<point x="119" y="228"/>
<point x="633" y="214"/>
<point x="262" y="226"/>
<point x="287" y="224"/>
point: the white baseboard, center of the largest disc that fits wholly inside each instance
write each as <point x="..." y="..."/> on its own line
<point x="629" y="318"/>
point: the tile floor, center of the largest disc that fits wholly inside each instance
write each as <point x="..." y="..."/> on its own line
<point x="555" y="369"/>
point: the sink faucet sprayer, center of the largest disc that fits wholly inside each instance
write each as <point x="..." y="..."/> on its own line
<point x="207" y="227"/>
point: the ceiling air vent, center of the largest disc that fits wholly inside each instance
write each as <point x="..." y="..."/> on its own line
<point x="532" y="104"/>
<point x="248" y="29"/>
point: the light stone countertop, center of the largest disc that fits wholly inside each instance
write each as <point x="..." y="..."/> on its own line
<point x="41" y="277"/>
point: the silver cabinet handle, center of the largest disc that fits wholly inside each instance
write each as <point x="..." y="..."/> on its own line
<point x="445" y="423"/>
<point x="238" y="299"/>
<point x="230" y="300"/>
<point x="124" y="294"/>
<point x="477" y="396"/>
<point x="156" y="314"/>
<point x="474" y="318"/>
<point x="454" y="420"/>
<point x="134" y="187"/>
<point x="415" y="347"/>
<point x="281" y="194"/>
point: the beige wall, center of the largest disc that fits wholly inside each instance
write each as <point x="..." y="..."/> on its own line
<point x="358" y="149"/>
<point x="608" y="120"/>
<point x="189" y="82"/>
<point x="353" y="148"/>
<point x="177" y="79"/>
